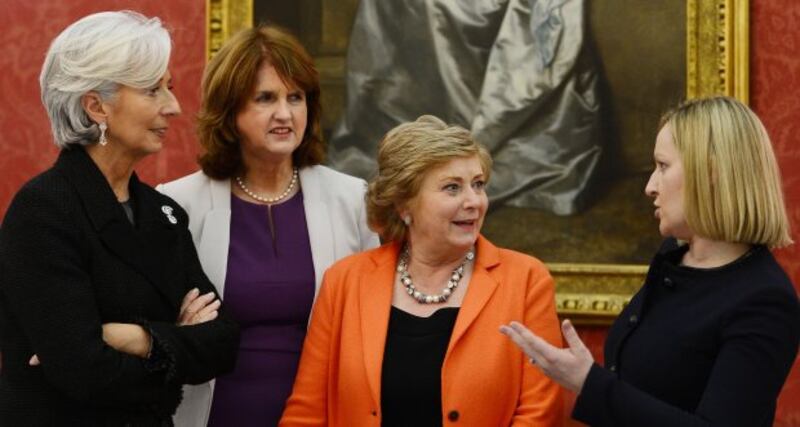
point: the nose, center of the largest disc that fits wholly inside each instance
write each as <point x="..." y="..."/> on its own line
<point x="282" y="111"/>
<point x="171" y="107"/>
<point x="472" y="198"/>
<point x="650" y="189"/>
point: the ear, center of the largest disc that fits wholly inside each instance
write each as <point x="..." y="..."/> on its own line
<point x="94" y="106"/>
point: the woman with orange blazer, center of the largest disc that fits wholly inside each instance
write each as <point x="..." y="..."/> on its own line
<point x="406" y="334"/>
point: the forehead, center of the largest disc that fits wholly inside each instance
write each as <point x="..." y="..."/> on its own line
<point x="665" y="145"/>
<point x="460" y="167"/>
<point x="267" y="77"/>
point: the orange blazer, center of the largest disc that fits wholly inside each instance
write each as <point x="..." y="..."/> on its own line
<point x="486" y="380"/>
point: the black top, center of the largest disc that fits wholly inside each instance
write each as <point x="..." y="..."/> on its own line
<point x="697" y="347"/>
<point x="411" y="377"/>
<point x="71" y="261"/>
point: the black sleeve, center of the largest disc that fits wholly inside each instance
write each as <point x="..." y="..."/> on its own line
<point x="760" y="342"/>
<point x="197" y="353"/>
<point x="48" y="289"/>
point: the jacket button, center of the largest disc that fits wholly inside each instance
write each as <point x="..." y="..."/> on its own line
<point x="633" y="319"/>
<point x="668" y="282"/>
<point x="374" y="413"/>
<point x="453" y="416"/>
<point x="613" y="368"/>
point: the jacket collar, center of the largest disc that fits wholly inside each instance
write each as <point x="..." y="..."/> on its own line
<point x="375" y="301"/>
<point x="145" y="247"/>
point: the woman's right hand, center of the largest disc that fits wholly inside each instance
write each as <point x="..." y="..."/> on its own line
<point x="196" y="308"/>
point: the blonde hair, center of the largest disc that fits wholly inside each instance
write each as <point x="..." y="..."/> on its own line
<point x="732" y="185"/>
<point x="405" y="155"/>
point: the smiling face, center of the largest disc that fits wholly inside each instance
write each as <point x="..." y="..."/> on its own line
<point x="666" y="188"/>
<point x="138" y="119"/>
<point x="447" y="213"/>
<point x="273" y="119"/>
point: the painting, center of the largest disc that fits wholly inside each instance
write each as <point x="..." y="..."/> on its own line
<point x="650" y="55"/>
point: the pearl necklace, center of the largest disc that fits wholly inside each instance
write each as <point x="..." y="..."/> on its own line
<point x="422" y="298"/>
<point x="283" y="195"/>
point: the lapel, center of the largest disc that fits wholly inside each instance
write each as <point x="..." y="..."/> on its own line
<point x="481" y="287"/>
<point x="145" y="249"/>
<point x="374" y="304"/>
<point x="212" y="248"/>
<point x="318" y="220"/>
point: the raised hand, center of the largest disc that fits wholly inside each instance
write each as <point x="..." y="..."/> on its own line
<point x="566" y="366"/>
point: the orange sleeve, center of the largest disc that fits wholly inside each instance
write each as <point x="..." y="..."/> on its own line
<point x="541" y="402"/>
<point x="308" y="403"/>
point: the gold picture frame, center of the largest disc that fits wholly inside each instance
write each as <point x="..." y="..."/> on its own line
<point x="717" y="62"/>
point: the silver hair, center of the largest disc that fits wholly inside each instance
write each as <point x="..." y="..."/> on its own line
<point x="99" y="53"/>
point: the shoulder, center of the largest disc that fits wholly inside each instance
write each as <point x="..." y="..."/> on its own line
<point x="48" y="191"/>
<point x="333" y="180"/>
<point x="188" y="184"/>
<point x="365" y="260"/>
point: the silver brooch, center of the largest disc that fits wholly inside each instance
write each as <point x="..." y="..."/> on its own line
<point x="168" y="212"/>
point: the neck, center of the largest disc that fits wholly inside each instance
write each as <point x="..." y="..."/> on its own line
<point x="707" y="253"/>
<point x="429" y="262"/>
<point x="268" y="178"/>
<point x="116" y="167"/>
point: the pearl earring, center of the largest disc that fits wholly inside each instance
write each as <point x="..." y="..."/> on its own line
<point x="407" y="220"/>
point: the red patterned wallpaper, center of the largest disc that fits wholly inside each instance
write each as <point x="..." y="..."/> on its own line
<point x="26" y="146"/>
<point x="775" y="86"/>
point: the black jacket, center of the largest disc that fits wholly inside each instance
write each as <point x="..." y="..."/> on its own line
<point x="70" y="261"/>
<point x="697" y="347"/>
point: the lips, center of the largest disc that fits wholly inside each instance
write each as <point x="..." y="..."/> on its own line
<point x="466" y="222"/>
<point x="161" y="132"/>
<point x="280" y="130"/>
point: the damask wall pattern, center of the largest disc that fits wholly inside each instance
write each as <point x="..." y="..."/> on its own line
<point x="775" y="90"/>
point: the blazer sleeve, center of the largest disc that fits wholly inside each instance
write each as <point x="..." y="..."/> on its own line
<point x="541" y="401"/>
<point x="760" y="343"/>
<point x="308" y="403"/>
<point x="196" y="353"/>
<point x="48" y="291"/>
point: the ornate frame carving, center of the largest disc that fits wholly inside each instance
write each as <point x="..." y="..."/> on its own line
<point x="717" y="62"/>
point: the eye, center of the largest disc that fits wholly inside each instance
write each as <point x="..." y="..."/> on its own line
<point x="451" y="188"/>
<point x="479" y="185"/>
<point x="296" y="97"/>
<point x="661" y="166"/>
<point x="153" y="91"/>
<point x="264" y="97"/>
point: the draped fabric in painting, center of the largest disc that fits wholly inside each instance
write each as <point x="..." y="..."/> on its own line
<point x="518" y="73"/>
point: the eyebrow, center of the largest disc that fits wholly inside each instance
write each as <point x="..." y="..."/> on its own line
<point x="458" y="178"/>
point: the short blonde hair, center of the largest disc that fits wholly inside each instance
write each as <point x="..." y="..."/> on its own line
<point x="732" y="185"/>
<point x="405" y="155"/>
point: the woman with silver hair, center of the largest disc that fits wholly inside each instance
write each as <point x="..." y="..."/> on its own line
<point x="104" y="308"/>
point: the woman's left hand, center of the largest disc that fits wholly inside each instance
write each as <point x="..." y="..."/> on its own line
<point x="566" y="366"/>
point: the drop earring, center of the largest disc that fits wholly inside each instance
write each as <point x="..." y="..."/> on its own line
<point x="103" y="126"/>
<point x="407" y="220"/>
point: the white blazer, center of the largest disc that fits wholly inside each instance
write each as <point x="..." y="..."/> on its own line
<point x="337" y="227"/>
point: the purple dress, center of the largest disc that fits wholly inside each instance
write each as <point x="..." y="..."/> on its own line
<point x="269" y="290"/>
